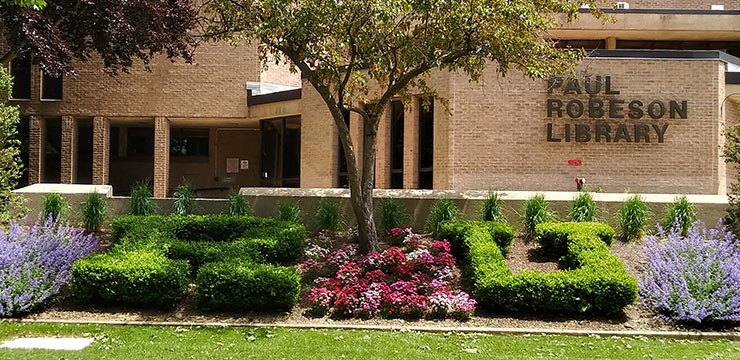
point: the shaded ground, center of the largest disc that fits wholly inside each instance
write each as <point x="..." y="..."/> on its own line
<point x="523" y="255"/>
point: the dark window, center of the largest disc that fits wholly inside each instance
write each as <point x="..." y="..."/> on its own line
<point x="51" y="88"/>
<point x="21" y="71"/>
<point x="140" y="142"/>
<point x="396" y="145"/>
<point x="115" y="142"/>
<point x="53" y="151"/>
<point x="189" y="142"/>
<point x="292" y="152"/>
<point x="343" y="176"/>
<point x="426" y="145"/>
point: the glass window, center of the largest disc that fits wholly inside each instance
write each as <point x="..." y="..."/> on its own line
<point x="20" y="69"/>
<point x="397" y="113"/>
<point x="140" y="142"/>
<point x="426" y="145"/>
<point x="189" y="142"/>
<point x="343" y="176"/>
<point x="51" y="88"/>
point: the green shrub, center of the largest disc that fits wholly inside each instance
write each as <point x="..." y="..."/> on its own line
<point x="536" y="211"/>
<point x="198" y="253"/>
<point x="184" y="199"/>
<point x="289" y="211"/>
<point x="94" y="212"/>
<point x="142" y="277"/>
<point x="490" y="210"/>
<point x="237" y="205"/>
<point x="329" y="215"/>
<point x="441" y="210"/>
<point x="239" y="286"/>
<point x="455" y="231"/>
<point x="56" y="206"/>
<point x="682" y="212"/>
<point x="142" y="203"/>
<point x="583" y="208"/>
<point x="632" y="218"/>
<point x="597" y="281"/>
<point x="393" y="215"/>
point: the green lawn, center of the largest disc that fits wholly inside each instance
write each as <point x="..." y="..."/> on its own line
<point x="129" y="342"/>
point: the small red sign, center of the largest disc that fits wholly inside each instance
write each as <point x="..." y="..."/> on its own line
<point x="576" y="162"/>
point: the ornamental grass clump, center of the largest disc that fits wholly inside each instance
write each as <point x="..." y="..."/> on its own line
<point x="184" y="199"/>
<point x="682" y="212"/>
<point x="632" y="218"/>
<point x="583" y="209"/>
<point x="693" y="278"/>
<point x="329" y="215"/>
<point x="237" y="205"/>
<point x="94" y="212"/>
<point x="536" y="211"/>
<point x="55" y="206"/>
<point x="491" y="209"/>
<point x="441" y="210"/>
<point x="289" y="211"/>
<point x="142" y="203"/>
<point x="393" y="215"/>
<point x="35" y="261"/>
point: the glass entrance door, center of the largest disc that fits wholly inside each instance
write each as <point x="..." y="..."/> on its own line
<point x="281" y="152"/>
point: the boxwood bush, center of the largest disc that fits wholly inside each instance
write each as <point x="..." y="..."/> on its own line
<point x="595" y="282"/>
<point x="227" y="254"/>
<point x="143" y="277"/>
<point x="243" y="286"/>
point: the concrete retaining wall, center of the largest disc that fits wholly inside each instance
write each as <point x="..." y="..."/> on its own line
<point x="264" y="202"/>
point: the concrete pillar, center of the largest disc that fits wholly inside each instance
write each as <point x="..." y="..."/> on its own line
<point x="36" y="149"/>
<point x="161" y="156"/>
<point x="69" y="150"/>
<point x="411" y="144"/>
<point x="611" y="43"/>
<point x="101" y="151"/>
<point x="383" y="151"/>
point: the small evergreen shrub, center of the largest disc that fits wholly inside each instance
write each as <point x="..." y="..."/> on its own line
<point x="442" y="210"/>
<point x="583" y="208"/>
<point x="237" y="205"/>
<point x="632" y="218"/>
<point x="94" y="212"/>
<point x="35" y="261"/>
<point x="289" y="211"/>
<point x="240" y="286"/>
<point x="393" y="215"/>
<point x="455" y="231"/>
<point x="55" y="206"/>
<point x="143" y="277"/>
<point x="329" y="215"/>
<point x="693" y="278"/>
<point x="490" y="210"/>
<point x="536" y="211"/>
<point x="682" y="212"/>
<point x="142" y="203"/>
<point x="184" y="199"/>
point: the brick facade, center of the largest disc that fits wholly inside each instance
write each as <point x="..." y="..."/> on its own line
<point x="36" y="149"/>
<point x="69" y="150"/>
<point x="161" y="156"/>
<point x="101" y="150"/>
<point x="683" y="4"/>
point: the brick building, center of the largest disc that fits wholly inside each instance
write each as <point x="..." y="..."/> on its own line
<point x="645" y="113"/>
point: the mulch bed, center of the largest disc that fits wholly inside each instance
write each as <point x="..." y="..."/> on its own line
<point x="523" y="255"/>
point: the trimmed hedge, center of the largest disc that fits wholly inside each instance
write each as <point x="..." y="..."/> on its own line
<point x="596" y="283"/>
<point x="455" y="232"/>
<point x="228" y="254"/>
<point x="143" y="277"/>
<point x="234" y="285"/>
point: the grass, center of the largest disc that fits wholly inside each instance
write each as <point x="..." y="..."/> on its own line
<point x="142" y="342"/>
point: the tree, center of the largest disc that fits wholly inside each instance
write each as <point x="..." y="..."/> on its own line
<point x="356" y="52"/>
<point x="731" y="153"/>
<point x="120" y="31"/>
<point x="10" y="163"/>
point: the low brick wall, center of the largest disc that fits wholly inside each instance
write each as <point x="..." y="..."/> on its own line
<point x="264" y="202"/>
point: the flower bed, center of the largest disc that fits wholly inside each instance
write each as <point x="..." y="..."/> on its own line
<point x="410" y="281"/>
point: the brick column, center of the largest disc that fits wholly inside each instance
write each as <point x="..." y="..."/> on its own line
<point x="69" y="150"/>
<point x="383" y="150"/>
<point x="161" y="156"/>
<point x="36" y="149"/>
<point x="101" y="151"/>
<point x="411" y="145"/>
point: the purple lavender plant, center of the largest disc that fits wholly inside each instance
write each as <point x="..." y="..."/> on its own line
<point x="695" y="278"/>
<point x="35" y="261"/>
